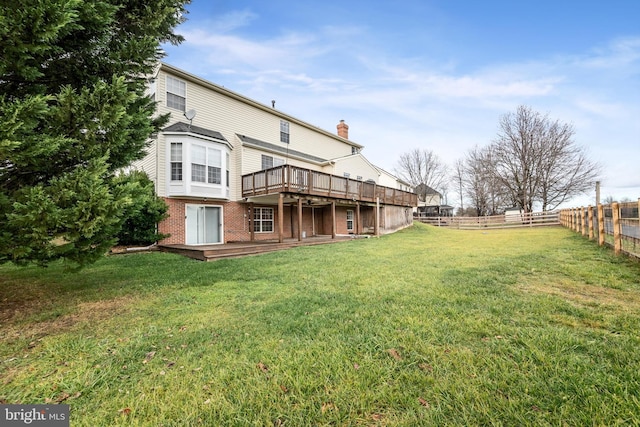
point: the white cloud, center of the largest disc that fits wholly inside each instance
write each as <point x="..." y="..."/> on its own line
<point x="395" y="104"/>
<point x="233" y="20"/>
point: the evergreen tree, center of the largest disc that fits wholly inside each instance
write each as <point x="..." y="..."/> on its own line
<point x="73" y="111"/>
<point x="143" y="215"/>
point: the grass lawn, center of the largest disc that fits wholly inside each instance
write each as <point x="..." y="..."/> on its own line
<point x="423" y="327"/>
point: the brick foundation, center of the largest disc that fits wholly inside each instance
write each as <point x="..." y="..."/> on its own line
<point x="236" y="218"/>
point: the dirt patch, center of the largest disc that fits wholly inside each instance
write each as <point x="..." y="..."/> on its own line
<point x="583" y="295"/>
<point x="86" y="312"/>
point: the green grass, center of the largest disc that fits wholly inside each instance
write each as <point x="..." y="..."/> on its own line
<point x="425" y="327"/>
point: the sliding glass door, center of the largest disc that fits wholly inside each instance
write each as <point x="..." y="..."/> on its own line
<point x="204" y="225"/>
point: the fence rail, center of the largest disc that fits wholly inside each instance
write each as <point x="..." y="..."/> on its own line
<point x="616" y="225"/>
<point x="534" y="219"/>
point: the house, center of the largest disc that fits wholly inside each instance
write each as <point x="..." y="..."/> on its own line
<point x="232" y="169"/>
<point x="430" y="202"/>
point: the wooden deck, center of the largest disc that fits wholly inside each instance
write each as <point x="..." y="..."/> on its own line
<point x="240" y="249"/>
<point x="307" y="182"/>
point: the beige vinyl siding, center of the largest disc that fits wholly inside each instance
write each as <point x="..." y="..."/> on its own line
<point x="387" y="181"/>
<point x="162" y="165"/>
<point x="151" y="166"/>
<point x="252" y="160"/>
<point x="148" y="163"/>
<point x="228" y="113"/>
<point x="355" y="166"/>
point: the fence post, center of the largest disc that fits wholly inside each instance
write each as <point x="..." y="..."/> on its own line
<point x="590" y="208"/>
<point x="571" y="224"/>
<point x="600" y="224"/>
<point x="583" y="230"/>
<point x="617" y="234"/>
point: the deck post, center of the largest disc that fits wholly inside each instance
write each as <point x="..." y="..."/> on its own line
<point x="252" y="219"/>
<point x="377" y="226"/>
<point x="358" y="228"/>
<point x="333" y="219"/>
<point x="281" y="218"/>
<point x="299" y="219"/>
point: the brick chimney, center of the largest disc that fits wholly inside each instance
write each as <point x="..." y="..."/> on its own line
<point x="343" y="129"/>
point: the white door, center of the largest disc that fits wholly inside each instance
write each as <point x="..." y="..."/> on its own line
<point x="204" y="224"/>
<point x="350" y="221"/>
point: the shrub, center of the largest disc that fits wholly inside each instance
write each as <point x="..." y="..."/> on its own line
<point x="140" y="218"/>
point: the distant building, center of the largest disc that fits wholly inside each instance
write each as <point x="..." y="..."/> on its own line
<point x="430" y="202"/>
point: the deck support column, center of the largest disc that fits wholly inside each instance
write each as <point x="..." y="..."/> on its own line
<point x="299" y="219"/>
<point x="376" y="231"/>
<point x="252" y="219"/>
<point x="357" y="227"/>
<point x="281" y="218"/>
<point x="333" y="219"/>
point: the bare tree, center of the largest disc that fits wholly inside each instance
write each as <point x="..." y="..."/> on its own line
<point x="564" y="169"/>
<point x="458" y="178"/>
<point x="536" y="160"/>
<point x="422" y="168"/>
<point x="484" y="191"/>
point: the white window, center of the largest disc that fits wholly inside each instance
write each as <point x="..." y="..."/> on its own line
<point x="347" y="174"/>
<point x="198" y="163"/>
<point x="214" y="166"/>
<point x="227" y="164"/>
<point x="176" y="161"/>
<point x="176" y="94"/>
<point x="269" y="162"/>
<point x="263" y="220"/>
<point x="206" y="165"/>
<point x="284" y="131"/>
<point x="350" y="221"/>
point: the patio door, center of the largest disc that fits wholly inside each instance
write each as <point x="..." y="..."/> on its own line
<point x="204" y="225"/>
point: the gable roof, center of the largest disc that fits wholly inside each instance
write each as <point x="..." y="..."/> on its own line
<point x="426" y="190"/>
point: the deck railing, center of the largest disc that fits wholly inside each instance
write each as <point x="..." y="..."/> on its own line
<point x="293" y="179"/>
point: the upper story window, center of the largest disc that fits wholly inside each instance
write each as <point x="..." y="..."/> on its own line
<point x="176" y="161"/>
<point x="206" y="165"/>
<point x="269" y="162"/>
<point x="176" y="94"/>
<point x="227" y="159"/>
<point x="284" y="131"/>
<point x="347" y="174"/>
<point x="197" y="167"/>
<point x="354" y="150"/>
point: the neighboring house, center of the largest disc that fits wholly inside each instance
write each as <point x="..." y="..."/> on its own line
<point x="430" y="202"/>
<point x="232" y="169"/>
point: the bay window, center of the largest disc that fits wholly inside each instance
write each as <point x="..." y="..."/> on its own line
<point x="197" y="168"/>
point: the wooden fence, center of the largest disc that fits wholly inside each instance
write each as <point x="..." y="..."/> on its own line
<point x="534" y="219"/>
<point x="616" y="225"/>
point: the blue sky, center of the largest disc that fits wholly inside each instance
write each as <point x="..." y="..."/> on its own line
<point x="434" y="74"/>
